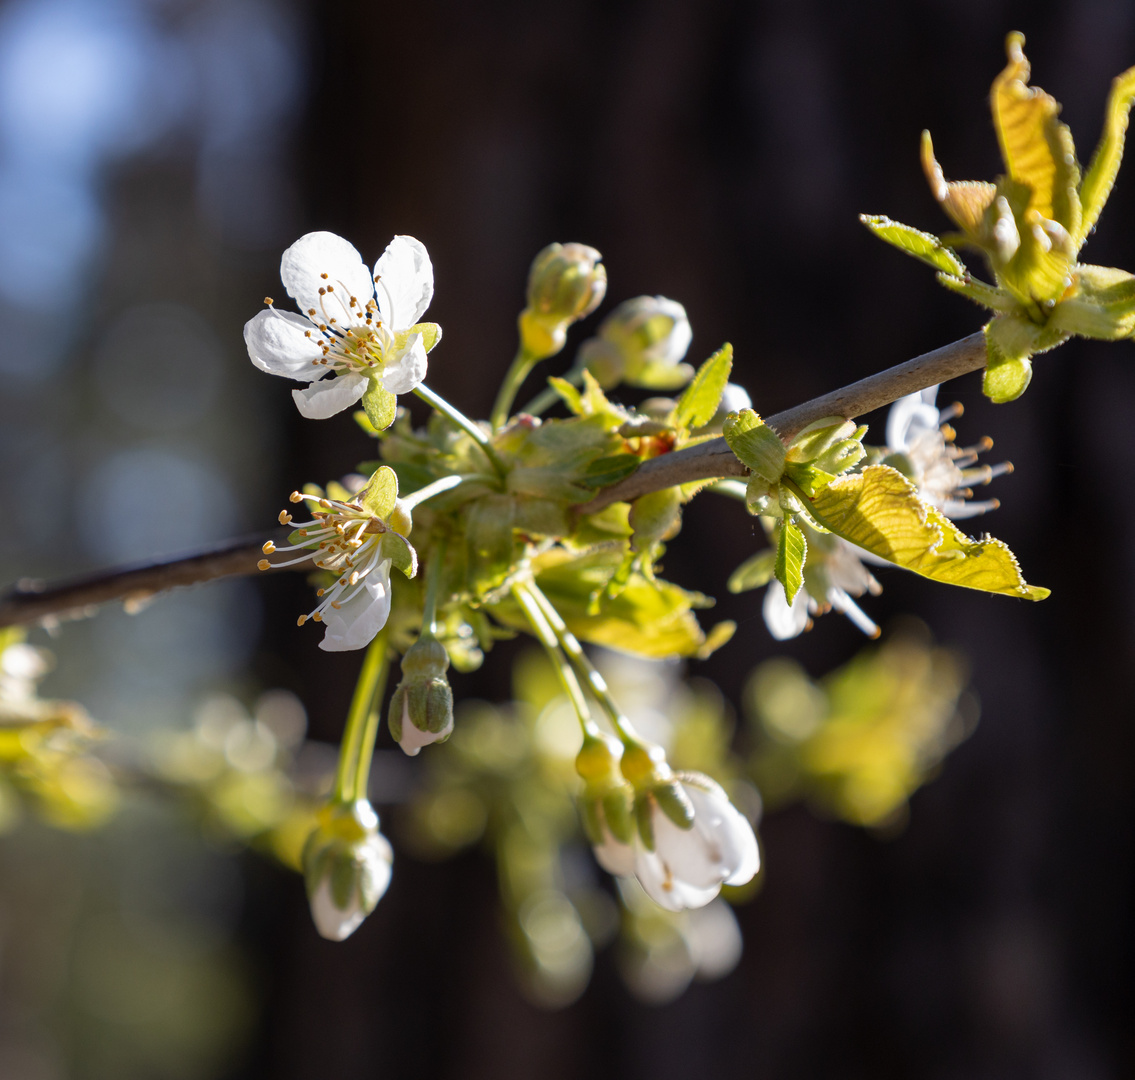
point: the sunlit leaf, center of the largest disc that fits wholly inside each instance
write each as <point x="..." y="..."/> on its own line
<point x="754" y="572"/>
<point x="755" y="444"/>
<point x="879" y="510"/>
<point x="921" y="245"/>
<point x="1103" y="305"/>
<point x="964" y="200"/>
<point x="699" y="401"/>
<point x="1105" y="162"/>
<point x="791" y="551"/>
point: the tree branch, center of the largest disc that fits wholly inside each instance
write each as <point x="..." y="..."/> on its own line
<point x="30" y="602"/>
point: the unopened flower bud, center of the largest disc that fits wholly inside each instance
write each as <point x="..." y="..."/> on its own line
<point x="642" y="343"/>
<point x="606" y="803"/>
<point x="346" y="864"/>
<point x="421" y="711"/>
<point x="566" y="284"/>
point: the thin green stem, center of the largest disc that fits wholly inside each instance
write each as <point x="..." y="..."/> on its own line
<point x="548" y="397"/>
<point x="372" y="681"/>
<point x="547" y="637"/>
<point x="433" y="583"/>
<point x="523" y="363"/>
<point x="446" y="483"/>
<point x="591" y="675"/>
<point x="463" y="422"/>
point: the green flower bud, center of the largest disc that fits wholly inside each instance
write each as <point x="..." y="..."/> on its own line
<point x="346" y="866"/>
<point x="421" y="710"/>
<point x="566" y="283"/>
<point x="642" y="343"/>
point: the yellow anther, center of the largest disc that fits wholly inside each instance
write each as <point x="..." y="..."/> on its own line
<point x="268" y="547"/>
<point x="317" y="617"/>
<point x="263" y="564"/>
<point x="295" y="497"/>
<point x="269" y="301"/>
<point x="284" y="517"/>
<point x="301" y="620"/>
<point x="336" y="605"/>
<point x="311" y="311"/>
<point x="320" y="592"/>
<point x="324" y="276"/>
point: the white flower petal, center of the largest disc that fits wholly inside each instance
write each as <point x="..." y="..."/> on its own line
<point x="330" y="396"/>
<point x="277" y="344"/>
<point x="728" y="830"/>
<point x="666" y="890"/>
<point x="413" y="738"/>
<point x="354" y="625"/>
<point x="407" y="369"/>
<point x="784" y="622"/>
<point x="333" y="923"/>
<point x="692" y="855"/>
<point x="318" y="253"/>
<point x="908" y="417"/>
<point x="615" y="857"/>
<point x="406" y="283"/>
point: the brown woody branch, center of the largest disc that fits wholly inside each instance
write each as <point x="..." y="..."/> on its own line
<point x="135" y="585"/>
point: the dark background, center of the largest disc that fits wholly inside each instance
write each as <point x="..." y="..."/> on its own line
<point x="717" y="153"/>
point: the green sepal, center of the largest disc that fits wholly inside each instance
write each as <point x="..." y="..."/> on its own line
<point x="644" y="818"/>
<point x="675" y="803"/>
<point x="1101" y="173"/>
<point x="381" y="493"/>
<point x="791" y="551"/>
<point x="605" y="471"/>
<point x="921" y="245"/>
<point x="380" y="404"/>
<point x="755" y="444"/>
<point x="431" y="334"/>
<point x="980" y="293"/>
<point x="618" y="810"/>
<point x="591" y="813"/>
<point x="654" y="517"/>
<point x="699" y="401"/>
<point x="754" y="572"/>
<point x="1008" y="370"/>
<point x="400" y="552"/>
<point x="720" y="634"/>
<point x="879" y="509"/>
<point x="1102" y="306"/>
<point x="570" y="395"/>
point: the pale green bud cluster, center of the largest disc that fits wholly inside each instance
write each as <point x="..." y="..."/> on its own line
<point x="346" y="866"/>
<point x="566" y="284"/>
<point x="421" y="710"/>
<point x="641" y="343"/>
<point x="607" y="800"/>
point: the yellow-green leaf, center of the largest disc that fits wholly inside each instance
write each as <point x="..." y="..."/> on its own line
<point x="754" y="572"/>
<point x="1103" y="305"/>
<point x="879" y="510"/>
<point x="1037" y="148"/>
<point x="755" y="444"/>
<point x="699" y="401"/>
<point x="964" y="200"/>
<point x="921" y="245"/>
<point x="791" y="551"/>
<point x="381" y="493"/>
<point x="570" y="395"/>
<point x="1105" y="161"/>
<point x="655" y="516"/>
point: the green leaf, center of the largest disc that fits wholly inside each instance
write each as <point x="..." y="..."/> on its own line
<point x="655" y="517"/>
<point x="490" y="546"/>
<point x="699" y="401"/>
<point x="605" y="471"/>
<point x="381" y="493"/>
<point x="570" y="395"/>
<point x="791" y="551"/>
<point x="980" y="293"/>
<point x="1008" y="370"/>
<point x="754" y="572"/>
<point x="1105" y="161"/>
<point x="380" y="404"/>
<point x="879" y="510"/>
<point x="965" y="201"/>
<point x="1036" y="147"/>
<point x="1102" y="307"/>
<point x="721" y="634"/>
<point x="755" y="444"/>
<point x="921" y="245"/>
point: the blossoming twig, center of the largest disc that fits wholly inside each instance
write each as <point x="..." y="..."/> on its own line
<point x="134" y="584"/>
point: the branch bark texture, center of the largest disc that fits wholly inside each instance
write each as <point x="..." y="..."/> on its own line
<point x="135" y="585"/>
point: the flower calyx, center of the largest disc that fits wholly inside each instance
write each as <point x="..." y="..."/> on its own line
<point x="347" y="867"/>
<point x="421" y="710"/>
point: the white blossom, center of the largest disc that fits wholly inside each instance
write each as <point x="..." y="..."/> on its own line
<point x="354" y="327"/>
<point x="412" y="738"/>
<point x="687" y="867"/>
<point x="359" y="549"/>
<point x="369" y="868"/>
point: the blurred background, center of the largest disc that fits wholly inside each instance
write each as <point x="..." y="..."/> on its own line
<point x="156" y="156"/>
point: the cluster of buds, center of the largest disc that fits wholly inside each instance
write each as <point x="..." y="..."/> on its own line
<point x="566" y="284"/>
<point x="677" y="833"/>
